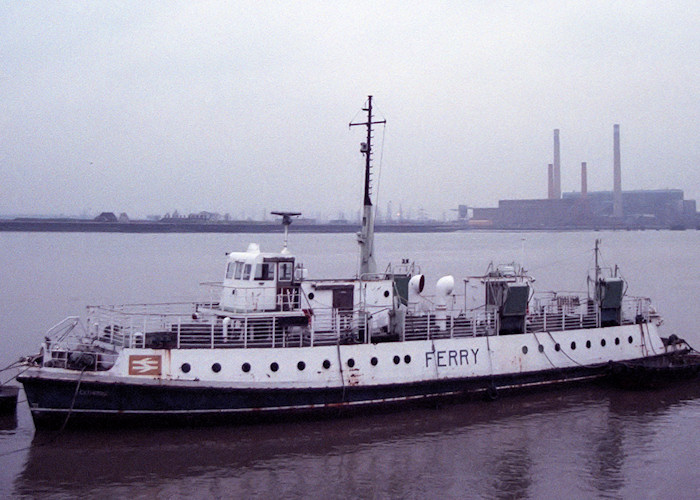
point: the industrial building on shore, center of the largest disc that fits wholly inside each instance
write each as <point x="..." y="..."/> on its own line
<point x="616" y="209"/>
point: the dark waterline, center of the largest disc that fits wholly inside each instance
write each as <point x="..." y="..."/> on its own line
<point x="584" y="442"/>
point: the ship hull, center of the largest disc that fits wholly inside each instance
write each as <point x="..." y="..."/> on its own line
<point x="201" y="386"/>
<point x="56" y="403"/>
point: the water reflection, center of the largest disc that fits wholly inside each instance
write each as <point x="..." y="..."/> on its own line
<point x="605" y="465"/>
<point x="513" y="473"/>
<point x="8" y="422"/>
<point x="494" y="450"/>
<point x="632" y="422"/>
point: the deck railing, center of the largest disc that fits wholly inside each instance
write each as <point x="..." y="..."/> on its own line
<point x="203" y="325"/>
<point x="255" y="298"/>
<point x="434" y="325"/>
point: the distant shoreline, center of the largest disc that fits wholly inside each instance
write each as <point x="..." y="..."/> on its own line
<point x="90" y="226"/>
<point x="185" y="226"/>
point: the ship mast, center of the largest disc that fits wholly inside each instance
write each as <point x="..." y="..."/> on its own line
<point x="366" y="236"/>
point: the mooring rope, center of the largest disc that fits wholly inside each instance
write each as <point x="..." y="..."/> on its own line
<point x="12" y="365"/>
<point x="544" y="351"/>
<point x="65" y="422"/>
<point x="491" y="390"/>
<point x="651" y="344"/>
<point x="15" y="375"/>
<point x="72" y="403"/>
<point x="340" y="367"/>
<point x="562" y="350"/>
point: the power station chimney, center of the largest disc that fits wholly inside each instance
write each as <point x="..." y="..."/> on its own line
<point x="557" y="167"/>
<point x="584" y="180"/>
<point x="617" y="173"/>
<point x="550" y="181"/>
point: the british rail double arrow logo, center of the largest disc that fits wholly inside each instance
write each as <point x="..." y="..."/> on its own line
<point x="144" y="365"/>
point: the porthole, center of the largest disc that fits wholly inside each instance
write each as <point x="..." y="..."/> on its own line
<point x="216" y="367"/>
<point x="351" y="362"/>
<point x="397" y="360"/>
<point x="588" y="344"/>
<point x="311" y="295"/>
<point x="301" y="365"/>
<point x="540" y="348"/>
<point x="326" y="364"/>
<point x="386" y="293"/>
<point x="407" y="359"/>
<point x="374" y="361"/>
<point x="245" y="367"/>
<point x="185" y="368"/>
<point x="557" y="347"/>
<point x="573" y="346"/>
<point x="617" y="340"/>
<point x="524" y="349"/>
<point x="629" y="339"/>
<point x="602" y="342"/>
<point x="274" y="367"/>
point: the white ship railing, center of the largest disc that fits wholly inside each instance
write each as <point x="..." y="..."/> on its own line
<point x="569" y="311"/>
<point x="450" y="324"/>
<point x="202" y="325"/>
<point x="255" y="298"/>
<point x="636" y="310"/>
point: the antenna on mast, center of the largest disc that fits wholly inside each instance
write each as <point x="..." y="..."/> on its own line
<point x="286" y="222"/>
<point x="596" y="278"/>
<point x="366" y="236"/>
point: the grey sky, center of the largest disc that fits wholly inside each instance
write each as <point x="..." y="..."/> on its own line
<point x="146" y="107"/>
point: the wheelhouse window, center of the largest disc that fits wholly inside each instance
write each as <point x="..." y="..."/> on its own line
<point x="264" y="272"/>
<point x="229" y="270"/>
<point x="246" y="272"/>
<point x="285" y="271"/>
<point x="239" y="270"/>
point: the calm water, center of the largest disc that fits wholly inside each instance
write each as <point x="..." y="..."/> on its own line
<point x="586" y="442"/>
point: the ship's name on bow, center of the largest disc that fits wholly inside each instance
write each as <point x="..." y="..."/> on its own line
<point x="451" y="357"/>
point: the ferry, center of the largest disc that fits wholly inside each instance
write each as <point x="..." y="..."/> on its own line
<point x="273" y="343"/>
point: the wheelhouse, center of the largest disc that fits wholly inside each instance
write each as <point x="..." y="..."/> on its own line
<point x="256" y="281"/>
